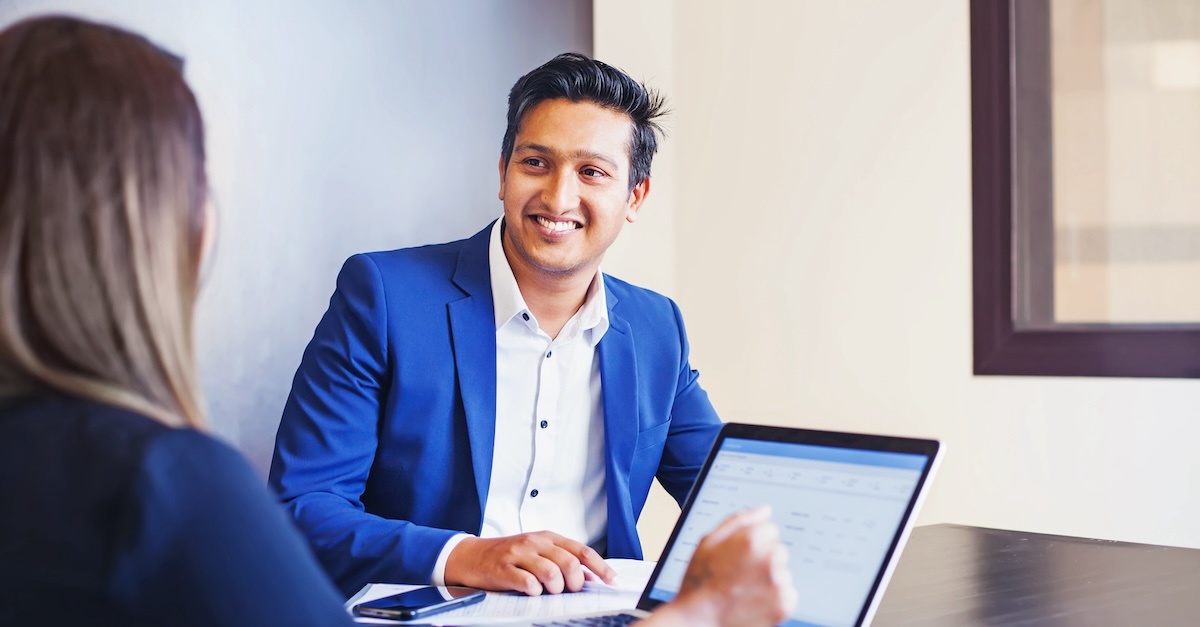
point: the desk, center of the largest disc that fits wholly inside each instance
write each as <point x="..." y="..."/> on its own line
<point x="951" y="575"/>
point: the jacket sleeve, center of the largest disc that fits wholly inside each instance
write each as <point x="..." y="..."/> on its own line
<point x="328" y="437"/>
<point x="694" y="426"/>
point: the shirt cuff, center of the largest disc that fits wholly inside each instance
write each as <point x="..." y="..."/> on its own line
<point x="438" y="578"/>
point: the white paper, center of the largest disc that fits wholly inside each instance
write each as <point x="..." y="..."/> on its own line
<point x="503" y="607"/>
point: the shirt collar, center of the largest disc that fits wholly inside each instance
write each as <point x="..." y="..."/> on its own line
<point x="591" y="320"/>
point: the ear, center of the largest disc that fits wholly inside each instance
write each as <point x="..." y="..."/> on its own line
<point x="636" y="197"/>
<point x="500" y="165"/>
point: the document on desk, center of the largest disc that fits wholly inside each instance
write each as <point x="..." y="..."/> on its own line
<point x="502" y="607"/>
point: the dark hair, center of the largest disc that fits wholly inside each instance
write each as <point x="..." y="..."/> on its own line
<point x="578" y="78"/>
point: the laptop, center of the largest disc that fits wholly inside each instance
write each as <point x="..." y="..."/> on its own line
<point x="844" y="504"/>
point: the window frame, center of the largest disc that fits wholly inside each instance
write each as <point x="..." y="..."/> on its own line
<point x="1000" y="346"/>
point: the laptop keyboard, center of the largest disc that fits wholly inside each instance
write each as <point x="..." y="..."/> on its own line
<point x="613" y="620"/>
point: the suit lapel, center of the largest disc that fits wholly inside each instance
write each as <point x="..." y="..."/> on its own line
<point x="473" y="335"/>
<point x="618" y="373"/>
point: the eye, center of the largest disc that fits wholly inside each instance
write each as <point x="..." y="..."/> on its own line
<point x="593" y="173"/>
<point x="533" y="161"/>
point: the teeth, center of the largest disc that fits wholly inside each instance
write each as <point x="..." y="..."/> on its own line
<point x="557" y="226"/>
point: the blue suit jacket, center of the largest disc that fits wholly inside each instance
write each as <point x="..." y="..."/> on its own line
<point x="385" y="447"/>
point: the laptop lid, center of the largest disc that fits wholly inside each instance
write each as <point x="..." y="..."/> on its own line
<point x="844" y="504"/>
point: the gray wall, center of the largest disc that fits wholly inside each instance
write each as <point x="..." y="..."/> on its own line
<point x="333" y="128"/>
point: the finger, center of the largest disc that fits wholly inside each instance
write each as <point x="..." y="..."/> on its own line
<point x="780" y="558"/>
<point x="591" y="560"/>
<point x="545" y="570"/>
<point x="732" y="524"/>
<point x="568" y="565"/>
<point x="780" y="573"/>
<point x="521" y="580"/>
<point x="588" y="575"/>
<point x="788" y="598"/>
<point x="764" y="536"/>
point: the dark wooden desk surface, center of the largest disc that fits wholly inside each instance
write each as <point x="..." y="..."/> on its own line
<point x="956" y="575"/>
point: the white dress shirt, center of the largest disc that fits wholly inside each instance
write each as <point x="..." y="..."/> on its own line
<point x="548" y="459"/>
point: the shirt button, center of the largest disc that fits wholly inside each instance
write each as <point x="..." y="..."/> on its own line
<point x="548" y="354"/>
<point x="545" y="424"/>
<point x="525" y="316"/>
<point x="533" y="493"/>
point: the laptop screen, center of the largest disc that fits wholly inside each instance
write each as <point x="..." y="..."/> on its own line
<point x="839" y="511"/>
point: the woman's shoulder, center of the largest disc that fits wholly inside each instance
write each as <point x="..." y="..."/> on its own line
<point x="110" y="457"/>
<point x="92" y="446"/>
<point x="108" y="452"/>
<point x="193" y="460"/>
<point x="209" y="533"/>
<point x="69" y="467"/>
<point x="71" y="418"/>
<point x="91" y="429"/>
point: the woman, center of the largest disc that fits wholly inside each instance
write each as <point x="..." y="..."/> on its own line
<point x="115" y="507"/>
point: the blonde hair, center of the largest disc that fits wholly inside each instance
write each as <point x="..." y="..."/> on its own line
<point x="102" y="208"/>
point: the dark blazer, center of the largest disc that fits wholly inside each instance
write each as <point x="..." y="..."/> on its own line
<point x="110" y="518"/>
<point x="385" y="447"/>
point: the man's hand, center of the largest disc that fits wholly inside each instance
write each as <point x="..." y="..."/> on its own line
<point x="737" y="576"/>
<point x="532" y="563"/>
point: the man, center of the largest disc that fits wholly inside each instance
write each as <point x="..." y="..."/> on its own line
<point x="491" y="412"/>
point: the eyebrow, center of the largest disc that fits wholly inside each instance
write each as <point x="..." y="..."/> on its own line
<point x="577" y="154"/>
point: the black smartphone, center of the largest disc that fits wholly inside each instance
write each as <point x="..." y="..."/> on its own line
<point x="420" y="602"/>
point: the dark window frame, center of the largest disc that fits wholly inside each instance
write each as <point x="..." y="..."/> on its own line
<point x="1001" y="347"/>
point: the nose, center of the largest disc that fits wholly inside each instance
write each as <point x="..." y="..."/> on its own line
<point x="562" y="192"/>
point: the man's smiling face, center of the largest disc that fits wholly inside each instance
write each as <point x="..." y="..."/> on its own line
<point x="566" y="188"/>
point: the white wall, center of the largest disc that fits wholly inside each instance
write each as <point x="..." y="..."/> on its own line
<point x="821" y="226"/>
<point x="637" y="37"/>
<point x="333" y="128"/>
